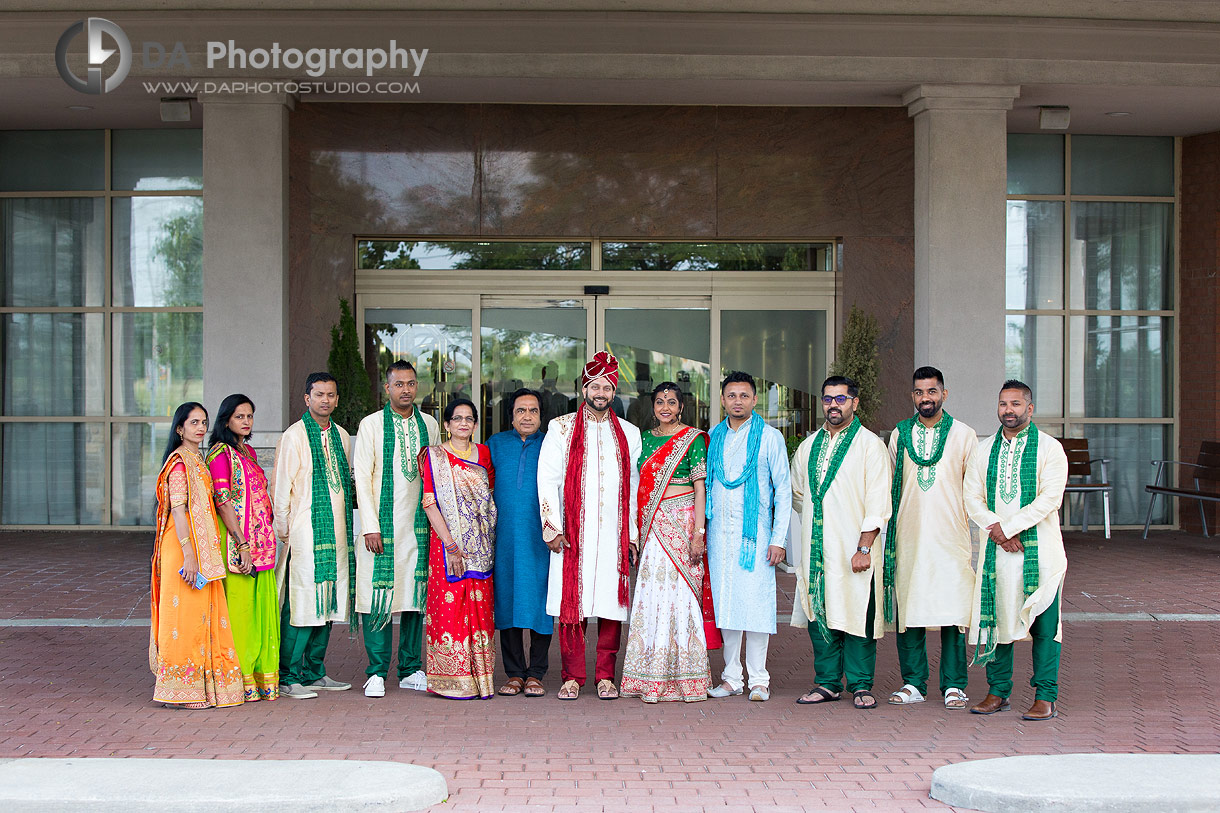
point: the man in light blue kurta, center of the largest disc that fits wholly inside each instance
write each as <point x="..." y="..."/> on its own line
<point x="741" y="563"/>
<point x="522" y="559"/>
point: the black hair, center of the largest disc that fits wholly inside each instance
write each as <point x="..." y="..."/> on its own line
<point x="452" y="406"/>
<point x="1016" y="384"/>
<point x="521" y="392"/>
<point x="221" y="433"/>
<point x="853" y="389"/>
<point x="180" y="415"/>
<point x="318" y="378"/>
<point x="738" y="377"/>
<point x="400" y="366"/>
<point x="667" y="386"/>
<point x="928" y="372"/>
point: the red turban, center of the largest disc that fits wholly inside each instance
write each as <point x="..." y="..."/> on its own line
<point x="603" y="365"/>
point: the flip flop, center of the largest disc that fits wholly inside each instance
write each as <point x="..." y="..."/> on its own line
<point x="824" y="696"/>
<point x="534" y="687"/>
<point x="858" y="700"/>
<point x="512" y="687"/>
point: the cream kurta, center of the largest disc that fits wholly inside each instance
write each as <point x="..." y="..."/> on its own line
<point x="602" y="511"/>
<point x="367" y="466"/>
<point x="293" y="503"/>
<point x="934" y="580"/>
<point x="1015" y="612"/>
<point x="858" y="501"/>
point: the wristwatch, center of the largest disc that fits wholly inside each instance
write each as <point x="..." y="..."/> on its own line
<point x="865" y="549"/>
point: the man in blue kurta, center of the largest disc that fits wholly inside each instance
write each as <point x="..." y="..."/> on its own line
<point x="522" y="558"/>
<point x="749" y="501"/>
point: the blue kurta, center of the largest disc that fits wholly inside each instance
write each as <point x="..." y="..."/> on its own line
<point x="522" y="558"/>
<point x="745" y="599"/>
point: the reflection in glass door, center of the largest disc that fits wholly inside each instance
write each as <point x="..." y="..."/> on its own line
<point x="541" y="347"/>
<point x="438" y="341"/>
<point x="655" y="345"/>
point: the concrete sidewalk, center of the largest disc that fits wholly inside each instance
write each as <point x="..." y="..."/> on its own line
<point x="215" y="786"/>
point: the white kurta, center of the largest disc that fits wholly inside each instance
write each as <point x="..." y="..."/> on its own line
<point x="293" y="502"/>
<point x="1015" y="612"/>
<point x="603" y="511"/>
<point x="745" y="599"/>
<point x="934" y="580"/>
<point x="367" y="465"/>
<point x="858" y="501"/>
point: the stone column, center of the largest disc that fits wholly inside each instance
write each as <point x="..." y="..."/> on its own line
<point x="245" y="256"/>
<point x="960" y="188"/>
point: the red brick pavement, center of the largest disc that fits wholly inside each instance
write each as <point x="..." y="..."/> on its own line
<point x="1126" y="687"/>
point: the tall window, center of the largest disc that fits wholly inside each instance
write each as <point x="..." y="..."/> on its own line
<point x="1091" y="301"/>
<point x="101" y="318"/>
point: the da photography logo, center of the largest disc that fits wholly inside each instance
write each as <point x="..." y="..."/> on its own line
<point x="95" y="29"/>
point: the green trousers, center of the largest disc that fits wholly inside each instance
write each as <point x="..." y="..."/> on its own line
<point x="913" y="658"/>
<point x="254" y="618"/>
<point x="301" y="650"/>
<point x="845" y="656"/>
<point x="1045" y="680"/>
<point x="379" y="644"/>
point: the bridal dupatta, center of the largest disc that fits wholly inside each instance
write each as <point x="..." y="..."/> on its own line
<point x="655" y="476"/>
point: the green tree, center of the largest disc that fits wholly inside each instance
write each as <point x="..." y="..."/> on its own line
<point x="857" y="358"/>
<point x="355" y="390"/>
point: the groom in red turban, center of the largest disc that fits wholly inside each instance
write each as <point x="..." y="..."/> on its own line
<point x="587" y="479"/>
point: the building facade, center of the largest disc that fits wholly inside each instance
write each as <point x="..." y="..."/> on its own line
<point x="695" y="188"/>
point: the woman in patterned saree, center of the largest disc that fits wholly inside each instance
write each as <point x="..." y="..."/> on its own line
<point x="667" y="645"/>
<point x="247" y="537"/>
<point x="458" y="625"/>
<point x="190" y="647"/>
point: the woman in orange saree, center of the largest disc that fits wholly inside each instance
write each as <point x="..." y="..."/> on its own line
<point x="458" y="624"/>
<point x="190" y="647"/>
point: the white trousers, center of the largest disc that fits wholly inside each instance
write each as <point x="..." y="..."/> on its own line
<point x="756" y="659"/>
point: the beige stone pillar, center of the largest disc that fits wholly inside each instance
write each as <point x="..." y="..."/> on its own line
<point x="245" y="257"/>
<point x="960" y="188"/>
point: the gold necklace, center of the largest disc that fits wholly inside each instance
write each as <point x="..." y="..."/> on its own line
<point x="677" y="428"/>
<point x="466" y="455"/>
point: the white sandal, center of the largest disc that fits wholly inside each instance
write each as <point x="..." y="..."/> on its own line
<point x="955" y="699"/>
<point x="906" y="696"/>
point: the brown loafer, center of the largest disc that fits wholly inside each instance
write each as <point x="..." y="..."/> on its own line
<point x="1041" y="710"/>
<point x="990" y="705"/>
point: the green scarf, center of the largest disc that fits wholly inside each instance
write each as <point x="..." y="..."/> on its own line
<point x="906" y="447"/>
<point x="322" y="520"/>
<point x="383" y="563"/>
<point x="817" y="571"/>
<point x="984" y="652"/>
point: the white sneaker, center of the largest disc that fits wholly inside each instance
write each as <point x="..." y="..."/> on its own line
<point x="374" y="686"/>
<point x="723" y="690"/>
<point x="417" y="681"/>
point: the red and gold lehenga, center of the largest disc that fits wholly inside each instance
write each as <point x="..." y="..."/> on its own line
<point x="458" y="624"/>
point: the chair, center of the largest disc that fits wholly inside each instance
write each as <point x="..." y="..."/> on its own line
<point x="1080" y="465"/>
<point x="1206" y="468"/>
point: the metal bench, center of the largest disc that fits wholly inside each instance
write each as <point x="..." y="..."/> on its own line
<point x="1207" y="468"/>
<point x="1081" y="465"/>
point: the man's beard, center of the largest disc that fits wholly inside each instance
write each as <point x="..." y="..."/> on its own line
<point x="928" y="410"/>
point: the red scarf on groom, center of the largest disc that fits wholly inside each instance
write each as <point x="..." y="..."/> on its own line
<point x="605" y="366"/>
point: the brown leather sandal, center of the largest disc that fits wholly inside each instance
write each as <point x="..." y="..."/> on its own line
<point x="534" y="687"/>
<point x="512" y="687"/>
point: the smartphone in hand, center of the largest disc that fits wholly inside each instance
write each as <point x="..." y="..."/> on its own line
<point x="200" y="581"/>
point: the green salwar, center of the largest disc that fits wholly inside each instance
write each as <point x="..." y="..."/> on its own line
<point x="302" y="650"/>
<point x="1045" y="679"/>
<point x="913" y="658"/>
<point x="379" y="645"/>
<point x="254" y="618"/>
<point x="845" y="656"/>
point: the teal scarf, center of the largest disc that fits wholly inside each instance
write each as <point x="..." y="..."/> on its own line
<point x="905" y="448"/>
<point x="984" y="652"/>
<point x="817" y="567"/>
<point x="383" y="563"/>
<point x="322" y="518"/>
<point x="749" y="474"/>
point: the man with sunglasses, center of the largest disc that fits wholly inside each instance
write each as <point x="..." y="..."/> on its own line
<point x="841" y="489"/>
